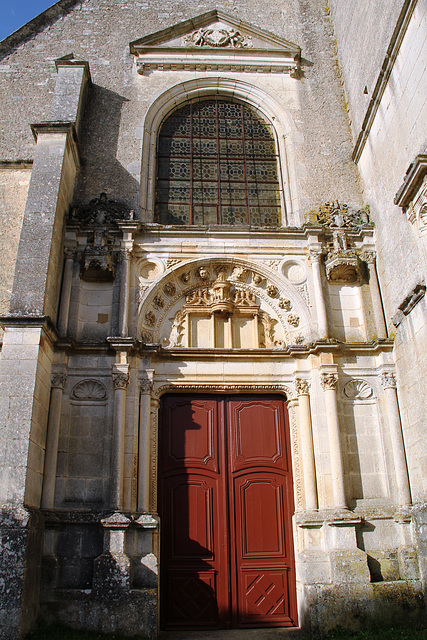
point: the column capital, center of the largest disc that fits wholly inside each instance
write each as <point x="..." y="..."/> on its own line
<point x="329" y="381"/>
<point x="69" y="253"/>
<point x="315" y="254"/>
<point x="146" y="385"/>
<point x="388" y="380"/>
<point x="120" y="379"/>
<point x="302" y="386"/>
<point x="58" y="380"/>
<point x="369" y="256"/>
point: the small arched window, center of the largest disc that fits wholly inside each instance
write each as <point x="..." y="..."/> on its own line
<point x="217" y="164"/>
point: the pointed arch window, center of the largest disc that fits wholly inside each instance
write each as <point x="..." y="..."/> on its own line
<point x="217" y="163"/>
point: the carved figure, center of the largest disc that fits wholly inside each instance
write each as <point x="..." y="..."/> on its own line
<point x="177" y="330"/>
<point x="219" y="37"/>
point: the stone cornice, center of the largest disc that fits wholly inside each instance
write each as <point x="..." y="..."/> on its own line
<point x="59" y="127"/>
<point x="412" y="181"/>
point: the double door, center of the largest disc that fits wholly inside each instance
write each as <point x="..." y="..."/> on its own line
<point x="225" y="501"/>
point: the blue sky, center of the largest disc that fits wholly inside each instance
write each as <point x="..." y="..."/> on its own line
<point x="15" y="13"/>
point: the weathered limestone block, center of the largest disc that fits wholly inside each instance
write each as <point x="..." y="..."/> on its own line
<point x="21" y="541"/>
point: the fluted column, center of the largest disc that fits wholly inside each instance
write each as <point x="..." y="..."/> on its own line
<point x="388" y="381"/>
<point x="145" y="387"/>
<point x="58" y="381"/>
<point x="67" y="281"/>
<point x="304" y="413"/>
<point x="370" y="258"/>
<point x="329" y="383"/>
<point x="322" y="317"/>
<point x="121" y="381"/>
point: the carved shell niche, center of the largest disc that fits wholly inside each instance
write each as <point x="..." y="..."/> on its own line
<point x="89" y="390"/>
<point x="358" y="390"/>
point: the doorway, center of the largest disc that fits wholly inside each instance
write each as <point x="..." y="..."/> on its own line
<point x="225" y="503"/>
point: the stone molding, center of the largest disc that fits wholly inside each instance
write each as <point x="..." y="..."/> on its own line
<point x="404" y="309"/>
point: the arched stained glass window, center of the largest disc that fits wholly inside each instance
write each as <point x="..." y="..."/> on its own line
<point x="217" y="164"/>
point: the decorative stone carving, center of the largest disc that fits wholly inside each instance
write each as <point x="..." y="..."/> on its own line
<point x="274" y="264"/>
<point x="89" y="390"/>
<point x="272" y="291"/>
<point x="142" y="288"/>
<point x="58" y="380"/>
<point x="315" y="254"/>
<point x="147" y="337"/>
<point x="388" y="380"/>
<point x="338" y="215"/>
<point x="299" y="340"/>
<point x="368" y="255"/>
<point x="150" y="318"/>
<point x="185" y="277"/>
<point x="169" y="289"/>
<point x="218" y="37"/>
<point x="158" y="302"/>
<point x="293" y="319"/>
<point x="120" y="380"/>
<point x="98" y="263"/>
<point x="230" y="308"/>
<point x="358" y="390"/>
<point x="329" y="381"/>
<point x="342" y="265"/>
<point x="238" y="274"/>
<point x="267" y="334"/>
<point x="147" y="521"/>
<point x="302" y="386"/>
<point x="257" y="279"/>
<point x="171" y="262"/>
<point x="145" y="385"/>
<point x="202" y="273"/>
<point x="100" y="211"/>
<point x="177" y="331"/>
<point x="285" y="304"/>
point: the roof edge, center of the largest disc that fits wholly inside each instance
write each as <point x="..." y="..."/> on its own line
<point x="31" y="28"/>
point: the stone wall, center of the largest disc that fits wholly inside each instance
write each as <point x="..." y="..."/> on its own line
<point x="13" y="192"/>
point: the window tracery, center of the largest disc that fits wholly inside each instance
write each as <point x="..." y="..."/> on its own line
<point x="217" y="164"/>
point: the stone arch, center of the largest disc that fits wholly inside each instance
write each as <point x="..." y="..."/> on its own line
<point x="276" y="297"/>
<point x="256" y="97"/>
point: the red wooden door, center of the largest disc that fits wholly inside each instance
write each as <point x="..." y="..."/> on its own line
<point x="225" y="501"/>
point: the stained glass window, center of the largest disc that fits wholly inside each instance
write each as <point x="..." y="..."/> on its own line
<point x="217" y="164"/>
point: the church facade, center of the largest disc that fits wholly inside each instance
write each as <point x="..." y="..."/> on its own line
<point x="212" y="371"/>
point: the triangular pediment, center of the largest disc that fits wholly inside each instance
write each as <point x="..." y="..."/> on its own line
<point x="215" y="41"/>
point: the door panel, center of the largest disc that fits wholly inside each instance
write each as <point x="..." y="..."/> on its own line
<point x="225" y="501"/>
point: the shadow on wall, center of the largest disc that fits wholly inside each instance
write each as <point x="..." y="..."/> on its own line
<point x="101" y="171"/>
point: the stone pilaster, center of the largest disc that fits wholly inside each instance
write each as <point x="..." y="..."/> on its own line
<point x="58" y="381"/>
<point x="329" y="381"/>
<point x="120" y="377"/>
<point x="145" y="387"/>
<point x="67" y="281"/>
<point x="370" y="258"/>
<point x="388" y="382"/>
<point x="310" y="485"/>
<point x="322" y="317"/>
